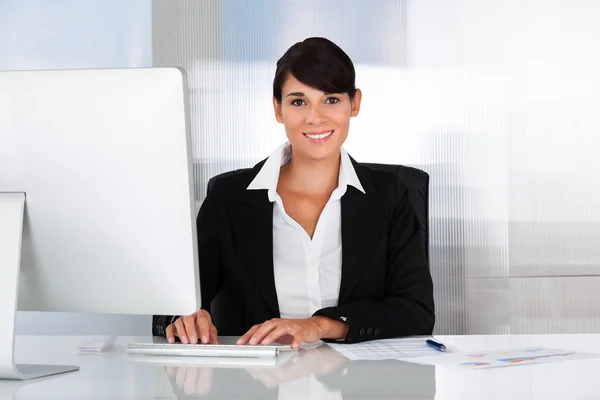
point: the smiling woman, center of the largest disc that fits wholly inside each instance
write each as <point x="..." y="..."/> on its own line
<point x="314" y="96"/>
<point x="310" y="245"/>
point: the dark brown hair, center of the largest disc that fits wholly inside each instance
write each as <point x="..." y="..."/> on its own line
<point x="319" y="63"/>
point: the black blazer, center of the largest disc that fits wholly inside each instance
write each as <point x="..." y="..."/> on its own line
<point x="386" y="288"/>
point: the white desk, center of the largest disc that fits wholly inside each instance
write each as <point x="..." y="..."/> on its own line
<point x="314" y="374"/>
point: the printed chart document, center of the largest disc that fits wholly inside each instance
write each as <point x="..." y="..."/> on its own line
<point x="504" y="358"/>
<point x="415" y="350"/>
<point x="388" y="349"/>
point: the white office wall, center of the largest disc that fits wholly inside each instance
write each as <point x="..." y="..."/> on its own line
<point x="67" y="34"/>
<point x="521" y="82"/>
<point x="496" y="100"/>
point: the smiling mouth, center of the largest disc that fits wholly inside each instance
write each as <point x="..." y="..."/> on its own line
<point x="318" y="135"/>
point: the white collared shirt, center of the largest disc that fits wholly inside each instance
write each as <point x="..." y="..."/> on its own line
<point x="307" y="272"/>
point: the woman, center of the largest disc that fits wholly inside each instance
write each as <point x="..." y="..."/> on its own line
<point x="309" y="245"/>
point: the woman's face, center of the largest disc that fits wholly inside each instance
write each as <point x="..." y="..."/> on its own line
<point x="316" y="123"/>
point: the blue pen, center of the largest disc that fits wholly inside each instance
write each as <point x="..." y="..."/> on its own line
<point x="435" y="345"/>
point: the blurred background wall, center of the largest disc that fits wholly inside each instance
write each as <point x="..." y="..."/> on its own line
<point x="497" y="101"/>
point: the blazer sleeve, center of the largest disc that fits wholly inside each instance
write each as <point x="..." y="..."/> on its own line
<point x="408" y="307"/>
<point x="209" y="259"/>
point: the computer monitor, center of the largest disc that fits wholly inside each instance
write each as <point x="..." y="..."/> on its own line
<point x="97" y="210"/>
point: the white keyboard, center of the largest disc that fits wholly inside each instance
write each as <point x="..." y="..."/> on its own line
<point x="207" y="350"/>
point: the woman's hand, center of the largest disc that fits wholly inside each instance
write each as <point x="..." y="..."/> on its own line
<point x="192" y="327"/>
<point x="294" y="331"/>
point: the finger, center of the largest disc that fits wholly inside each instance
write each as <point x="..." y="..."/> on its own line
<point x="246" y="337"/>
<point x="277" y="333"/>
<point x="298" y="338"/>
<point x="203" y="324"/>
<point x="214" y="336"/>
<point x="190" y="329"/>
<point x="263" y="331"/>
<point x="170" y="333"/>
<point x="180" y="330"/>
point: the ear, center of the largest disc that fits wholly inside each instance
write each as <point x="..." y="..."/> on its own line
<point x="277" y="109"/>
<point x="356" y="102"/>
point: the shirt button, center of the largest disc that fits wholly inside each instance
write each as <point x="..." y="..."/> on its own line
<point x="370" y="331"/>
<point x="377" y="332"/>
<point x="362" y="332"/>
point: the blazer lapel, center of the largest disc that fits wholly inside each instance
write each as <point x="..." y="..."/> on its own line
<point x="362" y="216"/>
<point x="252" y="220"/>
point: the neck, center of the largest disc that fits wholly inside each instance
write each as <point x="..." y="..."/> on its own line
<point x="310" y="176"/>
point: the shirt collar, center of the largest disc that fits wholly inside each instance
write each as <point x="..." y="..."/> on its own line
<point x="268" y="176"/>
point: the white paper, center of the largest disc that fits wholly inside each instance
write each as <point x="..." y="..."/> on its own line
<point x="503" y="358"/>
<point x="387" y="349"/>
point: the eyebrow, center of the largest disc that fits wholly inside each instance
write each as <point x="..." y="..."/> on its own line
<point x="299" y="94"/>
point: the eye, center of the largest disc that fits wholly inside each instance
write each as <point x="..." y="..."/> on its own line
<point x="332" y="100"/>
<point x="297" y="102"/>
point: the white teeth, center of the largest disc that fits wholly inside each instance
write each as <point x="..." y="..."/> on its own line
<point x="319" y="136"/>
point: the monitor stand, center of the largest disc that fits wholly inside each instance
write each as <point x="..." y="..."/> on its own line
<point x="12" y="208"/>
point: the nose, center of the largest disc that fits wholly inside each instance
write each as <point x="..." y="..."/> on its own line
<point x="315" y="116"/>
